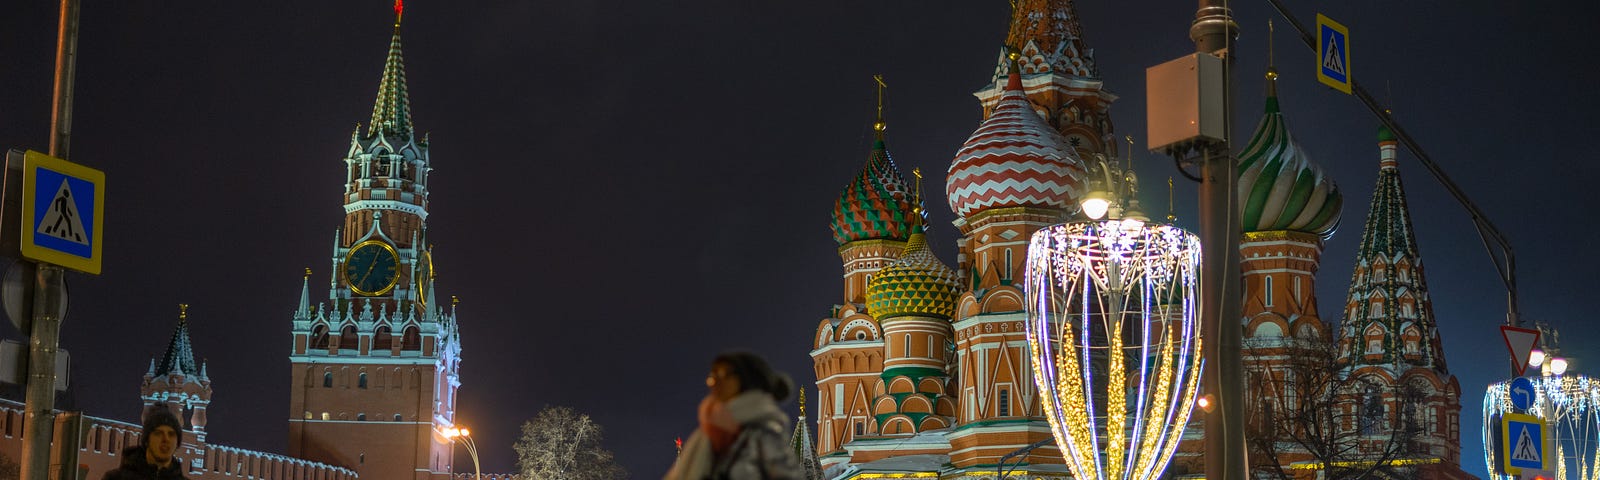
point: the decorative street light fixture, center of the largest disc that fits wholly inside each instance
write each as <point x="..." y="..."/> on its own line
<point x="464" y="437"/>
<point x="1113" y="336"/>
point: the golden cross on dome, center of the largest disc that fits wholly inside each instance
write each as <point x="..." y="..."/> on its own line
<point x="308" y="272"/>
<point x="183" y="312"/>
<point x="916" y="196"/>
<point x="879" y="125"/>
<point x="802" y="402"/>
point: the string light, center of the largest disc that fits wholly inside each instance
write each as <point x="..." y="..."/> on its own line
<point x="1113" y="340"/>
<point x="1570" y="405"/>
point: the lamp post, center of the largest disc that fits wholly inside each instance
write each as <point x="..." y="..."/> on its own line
<point x="1112" y="332"/>
<point x="464" y="437"/>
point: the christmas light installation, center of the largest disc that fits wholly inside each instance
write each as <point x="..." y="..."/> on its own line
<point x="1570" y="406"/>
<point x="1114" y="341"/>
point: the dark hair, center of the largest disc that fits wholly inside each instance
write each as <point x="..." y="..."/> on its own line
<point x="754" y="373"/>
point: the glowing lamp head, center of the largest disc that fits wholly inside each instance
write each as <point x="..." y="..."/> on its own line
<point x="465" y="433"/>
<point x="451" y="432"/>
<point x="1535" y="358"/>
<point x="1204" y="402"/>
<point x="1095" y="204"/>
<point x="1558" y="366"/>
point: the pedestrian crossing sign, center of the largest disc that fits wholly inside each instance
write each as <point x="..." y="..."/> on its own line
<point x="1522" y="443"/>
<point x="62" y="212"/>
<point x="1333" y="54"/>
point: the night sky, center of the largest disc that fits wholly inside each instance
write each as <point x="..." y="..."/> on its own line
<point x="623" y="189"/>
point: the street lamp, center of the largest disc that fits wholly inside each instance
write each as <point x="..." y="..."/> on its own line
<point x="464" y="437"/>
<point x="1112" y="334"/>
<point x="1113" y="189"/>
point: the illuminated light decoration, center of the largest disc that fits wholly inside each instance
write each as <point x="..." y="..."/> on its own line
<point x="399" y="9"/>
<point x="1398" y="462"/>
<point x="1116" y="298"/>
<point x="1570" y="406"/>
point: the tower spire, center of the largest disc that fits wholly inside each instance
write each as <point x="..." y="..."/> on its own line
<point x="1050" y="38"/>
<point x="179" y="357"/>
<point x="878" y="126"/>
<point x="304" y="311"/>
<point x="391" y="113"/>
<point x="1272" y="71"/>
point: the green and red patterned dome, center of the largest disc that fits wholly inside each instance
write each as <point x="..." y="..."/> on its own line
<point x="1279" y="187"/>
<point x="876" y="205"/>
<point x="915" y="284"/>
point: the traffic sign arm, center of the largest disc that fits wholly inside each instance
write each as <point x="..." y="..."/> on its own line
<point x="1505" y="261"/>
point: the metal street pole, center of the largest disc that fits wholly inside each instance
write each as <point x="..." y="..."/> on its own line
<point x="44" y="334"/>
<point x="1213" y="32"/>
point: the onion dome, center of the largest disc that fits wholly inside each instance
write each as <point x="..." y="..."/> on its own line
<point x="1279" y="187"/>
<point x="876" y="204"/>
<point x="915" y="284"/>
<point x="1014" y="159"/>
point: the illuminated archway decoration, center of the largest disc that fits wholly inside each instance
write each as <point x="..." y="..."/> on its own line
<point x="1570" y="405"/>
<point x="1114" y="342"/>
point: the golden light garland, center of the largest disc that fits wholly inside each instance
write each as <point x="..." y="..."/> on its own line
<point x="1113" y="336"/>
<point x="1570" y="405"/>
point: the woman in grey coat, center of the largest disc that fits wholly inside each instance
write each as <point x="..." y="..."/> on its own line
<point x="741" y="434"/>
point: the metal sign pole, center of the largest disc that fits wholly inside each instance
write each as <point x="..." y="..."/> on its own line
<point x="49" y="288"/>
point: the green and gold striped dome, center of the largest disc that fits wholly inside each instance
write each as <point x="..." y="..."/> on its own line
<point x="915" y="284"/>
<point x="1279" y="187"/>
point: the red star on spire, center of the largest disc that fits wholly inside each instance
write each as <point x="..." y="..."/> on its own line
<point x="399" y="8"/>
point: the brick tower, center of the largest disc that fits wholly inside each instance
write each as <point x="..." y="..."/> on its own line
<point x="1390" y="338"/>
<point x="374" y="370"/>
<point x="177" y="382"/>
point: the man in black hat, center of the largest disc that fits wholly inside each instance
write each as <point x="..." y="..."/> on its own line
<point x="152" y="459"/>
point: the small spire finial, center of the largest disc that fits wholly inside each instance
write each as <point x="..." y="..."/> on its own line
<point x="802" y="403"/>
<point x="916" y="196"/>
<point x="399" y="10"/>
<point x="880" y="125"/>
<point x="183" y="313"/>
<point x="308" y="273"/>
<point x="454" y="300"/>
<point x="1171" y="217"/>
<point x="1272" y="69"/>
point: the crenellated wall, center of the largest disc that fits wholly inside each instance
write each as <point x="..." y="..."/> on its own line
<point x="102" y="452"/>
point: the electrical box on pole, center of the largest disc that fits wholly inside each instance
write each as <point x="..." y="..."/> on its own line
<point x="1186" y="102"/>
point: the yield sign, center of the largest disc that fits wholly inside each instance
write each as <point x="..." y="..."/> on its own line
<point x="1520" y="341"/>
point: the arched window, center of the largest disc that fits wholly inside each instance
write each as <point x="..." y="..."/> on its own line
<point x="383" y="340"/>
<point x="1266" y="289"/>
<point x="319" y="337"/>
<point x="327" y="379"/>
<point x="396" y="417"/>
<point x="361" y="380"/>
<point x="412" y="340"/>
<point x="347" y="338"/>
<point x="361" y="417"/>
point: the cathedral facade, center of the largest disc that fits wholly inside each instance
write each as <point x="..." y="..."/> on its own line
<point x="923" y="370"/>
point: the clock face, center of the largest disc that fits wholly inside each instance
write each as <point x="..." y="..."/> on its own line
<point x="424" y="277"/>
<point x="371" y="268"/>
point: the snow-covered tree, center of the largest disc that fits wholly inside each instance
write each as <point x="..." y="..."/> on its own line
<point x="562" y="444"/>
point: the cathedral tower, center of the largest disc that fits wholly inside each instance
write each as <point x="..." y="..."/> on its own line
<point x="374" y="369"/>
<point x="1014" y="176"/>
<point x="872" y="220"/>
<point x="178" y="383"/>
<point x="1389" y="335"/>
<point x="1059" y="75"/>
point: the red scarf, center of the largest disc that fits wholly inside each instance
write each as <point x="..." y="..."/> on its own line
<point x="718" y="425"/>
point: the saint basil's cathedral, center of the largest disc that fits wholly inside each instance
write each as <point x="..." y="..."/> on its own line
<point x="923" y="370"/>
